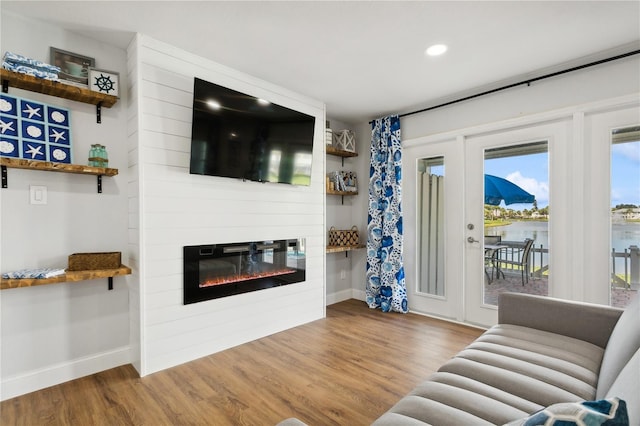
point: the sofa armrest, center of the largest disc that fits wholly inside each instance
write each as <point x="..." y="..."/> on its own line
<point x="585" y="321"/>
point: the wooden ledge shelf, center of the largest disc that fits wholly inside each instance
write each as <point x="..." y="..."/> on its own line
<point x="55" y="88"/>
<point x="70" y="276"/>
<point x="341" y="193"/>
<point x="338" y="249"/>
<point x="18" y="163"/>
<point x="334" y="192"/>
<point x="340" y="152"/>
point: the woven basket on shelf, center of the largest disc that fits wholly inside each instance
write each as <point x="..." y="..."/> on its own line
<point x="344" y="237"/>
<point x="93" y="261"/>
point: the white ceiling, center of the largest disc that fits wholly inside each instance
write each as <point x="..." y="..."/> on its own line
<point x="363" y="59"/>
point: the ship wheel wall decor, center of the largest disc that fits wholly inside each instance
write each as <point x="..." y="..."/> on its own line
<point x="104" y="81"/>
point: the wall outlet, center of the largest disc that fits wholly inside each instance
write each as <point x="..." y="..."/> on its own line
<point x="37" y="194"/>
<point x="343" y="274"/>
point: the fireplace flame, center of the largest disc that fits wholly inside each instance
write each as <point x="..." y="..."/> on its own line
<point x="244" y="277"/>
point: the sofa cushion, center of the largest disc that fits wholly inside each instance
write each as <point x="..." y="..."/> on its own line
<point x="626" y="387"/>
<point x="507" y="373"/>
<point x="623" y="343"/>
<point x="439" y="404"/>
<point x="291" y="421"/>
<point x="605" y="412"/>
<point x="554" y="367"/>
<point x="557" y="347"/>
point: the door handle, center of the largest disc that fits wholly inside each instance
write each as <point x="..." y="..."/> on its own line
<point x="472" y="240"/>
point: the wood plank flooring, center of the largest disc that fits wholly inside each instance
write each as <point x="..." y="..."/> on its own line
<point x="346" y="369"/>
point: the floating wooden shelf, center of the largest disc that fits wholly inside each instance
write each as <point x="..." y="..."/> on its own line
<point x="55" y="88"/>
<point x="17" y="163"/>
<point x="70" y="276"/>
<point x="338" y="249"/>
<point x="339" y="152"/>
<point x="334" y="192"/>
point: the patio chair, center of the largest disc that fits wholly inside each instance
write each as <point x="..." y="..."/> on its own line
<point x="522" y="260"/>
<point x="490" y="254"/>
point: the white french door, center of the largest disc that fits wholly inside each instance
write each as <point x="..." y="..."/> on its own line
<point x="461" y="269"/>
<point x="552" y="140"/>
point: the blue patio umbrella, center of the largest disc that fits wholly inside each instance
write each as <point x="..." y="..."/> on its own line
<point x="497" y="189"/>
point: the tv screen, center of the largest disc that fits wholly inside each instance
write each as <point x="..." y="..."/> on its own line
<point x="240" y="136"/>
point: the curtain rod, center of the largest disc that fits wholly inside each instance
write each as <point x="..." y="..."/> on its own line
<point x="526" y="81"/>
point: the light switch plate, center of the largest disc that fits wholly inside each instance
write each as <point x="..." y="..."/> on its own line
<point x="38" y="194"/>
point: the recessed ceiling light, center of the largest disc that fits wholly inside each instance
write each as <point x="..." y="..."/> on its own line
<point x="436" y="49"/>
<point x="263" y="101"/>
<point x="213" y="104"/>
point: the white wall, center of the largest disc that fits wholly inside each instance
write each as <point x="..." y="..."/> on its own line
<point x="174" y="209"/>
<point x="528" y="106"/>
<point x="339" y="215"/>
<point x="54" y="333"/>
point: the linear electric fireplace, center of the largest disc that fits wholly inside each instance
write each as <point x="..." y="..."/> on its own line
<point x="219" y="270"/>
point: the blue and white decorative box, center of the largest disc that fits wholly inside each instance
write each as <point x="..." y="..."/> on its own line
<point x="34" y="130"/>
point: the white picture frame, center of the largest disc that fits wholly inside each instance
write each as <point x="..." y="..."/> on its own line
<point x="74" y="68"/>
<point x="104" y="81"/>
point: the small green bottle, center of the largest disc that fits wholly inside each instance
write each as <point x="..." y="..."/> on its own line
<point x="99" y="156"/>
<point x="105" y="156"/>
<point x="92" y="155"/>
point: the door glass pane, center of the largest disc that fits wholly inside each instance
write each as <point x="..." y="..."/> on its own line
<point x="516" y="218"/>
<point x="431" y="235"/>
<point x="625" y="215"/>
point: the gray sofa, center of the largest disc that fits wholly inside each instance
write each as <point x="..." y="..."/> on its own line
<point x="543" y="351"/>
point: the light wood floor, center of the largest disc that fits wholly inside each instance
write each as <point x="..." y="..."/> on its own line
<point x="346" y="369"/>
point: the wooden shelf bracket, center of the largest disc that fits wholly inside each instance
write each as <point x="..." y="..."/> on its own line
<point x="99" y="112"/>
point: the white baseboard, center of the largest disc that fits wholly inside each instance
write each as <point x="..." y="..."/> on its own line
<point x="358" y="294"/>
<point x="62" y="372"/>
<point x="339" y="296"/>
<point x="343" y="295"/>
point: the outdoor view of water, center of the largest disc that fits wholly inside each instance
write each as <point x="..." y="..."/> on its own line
<point x="622" y="235"/>
<point x="518" y="231"/>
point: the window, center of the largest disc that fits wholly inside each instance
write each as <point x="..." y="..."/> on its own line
<point x="432" y="220"/>
<point x="511" y="264"/>
<point x="625" y="214"/>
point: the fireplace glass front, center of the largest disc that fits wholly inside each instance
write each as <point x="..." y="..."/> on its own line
<point x="219" y="270"/>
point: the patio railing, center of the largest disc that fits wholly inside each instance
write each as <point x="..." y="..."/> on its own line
<point x="629" y="274"/>
<point x="539" y="261"/>
<point x="625" y="271"/>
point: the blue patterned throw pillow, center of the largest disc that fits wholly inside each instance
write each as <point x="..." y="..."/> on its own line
<point x="604" y="412"/>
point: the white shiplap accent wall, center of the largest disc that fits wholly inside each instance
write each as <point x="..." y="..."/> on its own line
<point x="170" y="209"/>
<point x="133" y="191"/>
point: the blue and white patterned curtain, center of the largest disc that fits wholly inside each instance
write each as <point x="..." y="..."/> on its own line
<point x="385" y="270"/>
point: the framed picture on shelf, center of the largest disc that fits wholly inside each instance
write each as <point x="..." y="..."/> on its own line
<point x="104" y="81"/>
<point x="74" y="68"/>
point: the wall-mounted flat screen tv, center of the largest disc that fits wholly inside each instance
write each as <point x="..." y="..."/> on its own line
<point x="236" y="135"/>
